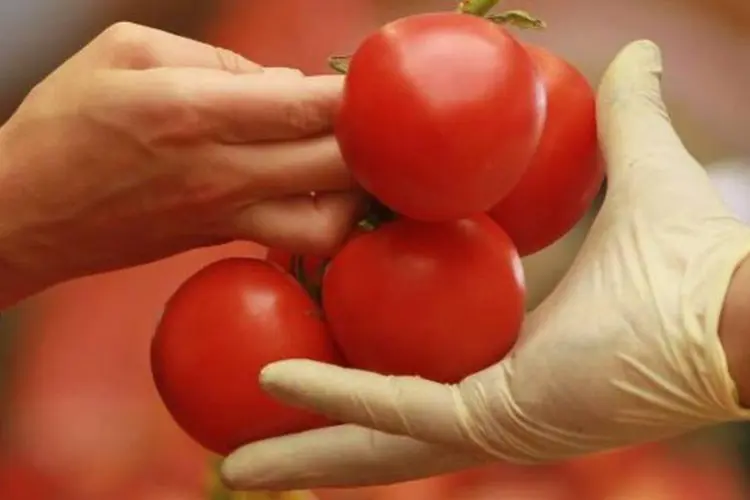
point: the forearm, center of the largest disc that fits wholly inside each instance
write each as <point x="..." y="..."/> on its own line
<point x="734" y="330"/>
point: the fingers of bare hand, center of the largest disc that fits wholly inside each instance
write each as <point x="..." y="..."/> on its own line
<point x="302" y="224"/>
<point x="273" y="170"/>
<point x="131" y="46"/>
<point x="278" y="105"/>
<point x="176" y="105"/>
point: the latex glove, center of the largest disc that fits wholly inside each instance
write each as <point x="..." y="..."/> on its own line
<point x="146" y="144"/>
<point x="625" y="349"/>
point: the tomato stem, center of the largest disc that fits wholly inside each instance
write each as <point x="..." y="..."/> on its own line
<point x="377" y="214"/>
<point x="477" y="7"/>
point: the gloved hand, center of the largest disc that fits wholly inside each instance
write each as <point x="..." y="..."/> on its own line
<point x="625" y="350"/>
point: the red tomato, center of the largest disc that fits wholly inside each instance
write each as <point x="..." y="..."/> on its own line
<point x="440" y="115"/>
<point x="218" y="331"/>
<point x="438" y="300"/>
<point x="565" y="174"/>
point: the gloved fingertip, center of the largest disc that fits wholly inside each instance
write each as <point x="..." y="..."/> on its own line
<point x="231" y="472"/>
<point x="288" y="379"/>
<point x="633" y="122"/>
<point x="288" y="369"/>
<point x="644" y="53"/>
<point x="634" y="73"/>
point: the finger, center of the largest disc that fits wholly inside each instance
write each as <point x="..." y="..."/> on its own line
<point x="345" y="455"/>
<point x="407" y="406"/>
<point x="283" y="72"/>
<point x="634" y="127"/>
<point x="275" y="170"/>
<point x="645" y="157"/>
<point x="276" y="106"/>
<point x="314" y="225"/>
<point x="178" y="105"/>
<point x="131" y="46"/>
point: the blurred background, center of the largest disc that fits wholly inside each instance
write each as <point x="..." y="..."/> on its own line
<point x="79" y="417"/>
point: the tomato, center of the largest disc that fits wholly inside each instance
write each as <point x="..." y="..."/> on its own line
<point x="440" y="115"/>
<point x="565" y="173"/>
<point x="221" y="327"/>
<point x="438" y="300"/>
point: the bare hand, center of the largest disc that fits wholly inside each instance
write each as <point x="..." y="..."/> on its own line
<point x="145" y="144"/>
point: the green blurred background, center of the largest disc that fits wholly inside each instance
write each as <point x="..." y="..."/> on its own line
<point x="80" y="419"/>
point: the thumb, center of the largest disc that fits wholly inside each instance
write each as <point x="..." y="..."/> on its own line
<point x="635" y="131"/>
<point x="647" y="164"/>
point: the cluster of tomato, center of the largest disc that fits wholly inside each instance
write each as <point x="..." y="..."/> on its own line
<point x="478" y="150"/>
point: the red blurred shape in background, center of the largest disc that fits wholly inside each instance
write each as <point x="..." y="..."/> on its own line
<point x="297" y="33"/>
<point x="84" y="407"/>
<point x="19" y="480"/>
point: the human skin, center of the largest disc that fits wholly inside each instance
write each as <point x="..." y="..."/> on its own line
<point x="734" y="330"/>
<point x="144" y="145"/>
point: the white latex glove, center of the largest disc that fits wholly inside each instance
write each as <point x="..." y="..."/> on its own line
<point x="625" y="350"/>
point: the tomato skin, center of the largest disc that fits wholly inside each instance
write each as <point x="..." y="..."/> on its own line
<point x="440" y="115"/>
<point x="565" y="173"/>
<point x="437" y="300"/>
<point x="220" y="328"/>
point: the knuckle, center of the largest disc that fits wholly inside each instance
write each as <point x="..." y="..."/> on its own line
<point x="159" y="110"/>
<point x="127" y="44"/>
<point x="231" y="61"/>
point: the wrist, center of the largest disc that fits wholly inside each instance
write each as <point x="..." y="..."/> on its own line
<point x="734" y="330"/>
<point x="16" y="283"/>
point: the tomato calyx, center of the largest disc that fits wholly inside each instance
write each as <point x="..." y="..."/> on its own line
<point x="520" y="19"/>
<point x="476" y="7"/>
<point x="339" y="64"/>
<point x="376" y="215"/>
<point x="516" y="18"/>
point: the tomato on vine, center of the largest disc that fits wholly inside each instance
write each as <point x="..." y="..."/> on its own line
<point x="440" y="115"/>
<point x="439" y="300"/>
<point x="220" y="328"/>
<point x="565" y="173"/>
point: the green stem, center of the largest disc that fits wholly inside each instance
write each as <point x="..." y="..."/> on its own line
<point x="299" y="272"/>
<point x="340" y="64"/>
<point x="518" y="19"/>
<point x="477" y="7"/>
